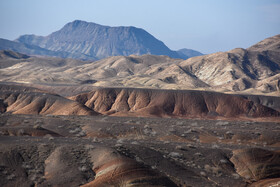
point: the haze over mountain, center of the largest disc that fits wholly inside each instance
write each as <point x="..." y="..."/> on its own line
<point x="36" y="50"/>
<point x="98" y="41"/>
<point x="189" y="52"/>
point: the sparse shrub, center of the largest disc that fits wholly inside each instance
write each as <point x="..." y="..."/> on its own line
<point x="76" y="130"/>
<point x="38" y="127"/>
<point x="135" y="143"/>
<point x="235" y="176"/>
<point x="222" y="123"/>
<point x="175" y="155"/>
<point x="83" y="168"/>
<point x="202" y="173"/>
<point x="20" y="132"/>
<point x="194" y="124"/>
<point x="11" y="177"/>
<point x="223" y="161"/>
<point x="180" y="123"/>
<point x="38" y="122"/>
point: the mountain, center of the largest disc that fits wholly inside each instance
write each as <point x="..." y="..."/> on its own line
<point x="30" y="49"/>
<point x="188" y="53"/>
<point x="100" y="41"/>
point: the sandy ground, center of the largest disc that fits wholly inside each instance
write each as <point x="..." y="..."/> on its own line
<point x="38" y="150"/>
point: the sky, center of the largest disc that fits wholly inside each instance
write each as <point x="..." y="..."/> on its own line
<point x="205" y="25"/>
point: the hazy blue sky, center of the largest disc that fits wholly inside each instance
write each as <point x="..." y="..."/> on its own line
<point x="204" y="25"/>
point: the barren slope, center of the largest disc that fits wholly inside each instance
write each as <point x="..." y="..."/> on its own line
<point x="257" y="67"/>
<point x="148" y="71"/>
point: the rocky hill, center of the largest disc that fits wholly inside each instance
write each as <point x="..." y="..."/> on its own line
<point x="240" y="69"/>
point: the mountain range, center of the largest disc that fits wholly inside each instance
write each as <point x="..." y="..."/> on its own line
<point x="90" y="41"/>
<point x="255" y="70"/>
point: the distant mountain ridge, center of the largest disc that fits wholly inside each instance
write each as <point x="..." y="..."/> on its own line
<point x="98" y="41"/>
<point x="189" y="52"/>
<point x="36" y="50"/>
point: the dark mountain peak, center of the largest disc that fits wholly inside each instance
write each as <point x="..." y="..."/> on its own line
<point x="89" y="27"/>
<point x="81" y="23"/>
<point x="100" y="41"/>
<point x="77" y="22"/>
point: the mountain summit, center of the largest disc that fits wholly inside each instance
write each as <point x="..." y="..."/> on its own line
<point x="100" y="41"/>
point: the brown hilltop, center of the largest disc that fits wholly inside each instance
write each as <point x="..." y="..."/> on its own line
<point x="23" y="100"/>
<point x="163" y="103"/>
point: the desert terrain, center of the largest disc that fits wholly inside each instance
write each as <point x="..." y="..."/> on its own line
<point x="137" y="137"/>
<point x="106" y="117"/>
